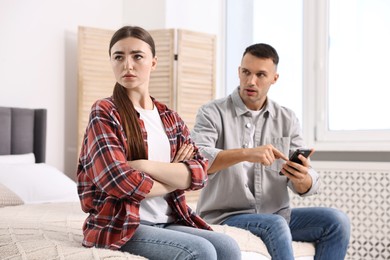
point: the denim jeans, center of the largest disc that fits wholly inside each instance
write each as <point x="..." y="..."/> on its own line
<point x="328" y="228"/>
<point x="181" y="242"/>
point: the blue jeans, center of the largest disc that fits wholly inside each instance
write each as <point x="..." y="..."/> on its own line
<point x="328" y="228"/>
<point x="181" y="242"/>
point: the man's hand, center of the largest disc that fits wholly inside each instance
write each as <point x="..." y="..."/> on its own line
<point x="185" y="152"/>
<point x="298" y="174"/>
<point x="265" y="155"/>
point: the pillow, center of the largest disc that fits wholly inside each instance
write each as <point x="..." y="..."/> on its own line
<point x="8" y="198"/>
<point x="38" y="183"/>
<point x="17" y="158"/>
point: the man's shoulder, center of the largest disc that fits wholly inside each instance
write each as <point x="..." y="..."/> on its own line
<point x="279" y="110"/>
<point x="219" y="102"/>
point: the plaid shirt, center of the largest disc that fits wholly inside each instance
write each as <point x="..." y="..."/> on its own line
<point x="111" y="191"/>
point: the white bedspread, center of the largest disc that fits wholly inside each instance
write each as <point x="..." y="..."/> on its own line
<point x="53" y="231"/>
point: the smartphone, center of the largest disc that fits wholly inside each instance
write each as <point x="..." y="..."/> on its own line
<point x="294" y="157"/>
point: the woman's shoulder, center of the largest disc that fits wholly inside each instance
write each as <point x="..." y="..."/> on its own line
<point x="159" y="105"/>
<point x="106" y="104"/>
<point x="104" y="108"/>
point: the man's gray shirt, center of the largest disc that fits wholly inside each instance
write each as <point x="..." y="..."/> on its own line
<point x="225" y="124"/>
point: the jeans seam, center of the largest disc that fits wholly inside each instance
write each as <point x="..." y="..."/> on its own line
<point x="157" y="242"/>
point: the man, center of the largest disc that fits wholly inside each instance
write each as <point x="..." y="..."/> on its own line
<point x="246" y="136"/>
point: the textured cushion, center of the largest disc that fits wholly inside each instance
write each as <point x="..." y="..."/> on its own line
<point x="251" y="243"/>
<point x="48" y="231"/>
<point x="8" y="198"/>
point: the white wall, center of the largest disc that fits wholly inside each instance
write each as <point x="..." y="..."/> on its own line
<point x="197" y="15"/>
<point x="38" y="64"/>
<point x="38" y="53"/>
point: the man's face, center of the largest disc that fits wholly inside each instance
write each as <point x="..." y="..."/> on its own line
<point x="256" y="77"/>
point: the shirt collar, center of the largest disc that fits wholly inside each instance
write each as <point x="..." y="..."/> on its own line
<point x="241" y="109"/>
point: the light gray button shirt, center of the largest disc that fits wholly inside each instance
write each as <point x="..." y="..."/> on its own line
<point x="223" y="124"/>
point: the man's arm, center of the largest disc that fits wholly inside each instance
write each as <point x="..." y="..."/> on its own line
<point x="265" y="155"/>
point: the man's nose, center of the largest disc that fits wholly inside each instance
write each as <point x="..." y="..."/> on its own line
<point x="252" y="79"/>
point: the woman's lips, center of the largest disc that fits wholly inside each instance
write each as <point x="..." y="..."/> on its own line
<point x="128" y="76"/>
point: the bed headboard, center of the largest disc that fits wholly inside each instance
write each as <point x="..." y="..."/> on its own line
<point x="23" y="130"/>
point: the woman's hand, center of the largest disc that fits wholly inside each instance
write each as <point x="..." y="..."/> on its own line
<point x="186" y="152"/>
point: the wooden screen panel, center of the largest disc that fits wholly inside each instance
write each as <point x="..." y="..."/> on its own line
<point x="95" y="77"/>
<point x="162" y="83"/>
<point x="195" y="73"/>
<point x="183" y="85"/>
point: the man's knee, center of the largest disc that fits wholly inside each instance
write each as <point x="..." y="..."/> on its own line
<point x="341" y="222"/>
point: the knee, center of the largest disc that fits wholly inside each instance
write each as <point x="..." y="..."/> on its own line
<point x="202" y="249"/>
<point x="280" y="222"/>
<point x="280" y="226"/>
<point x="341" y="223"/>
<point x="227" y="248"/>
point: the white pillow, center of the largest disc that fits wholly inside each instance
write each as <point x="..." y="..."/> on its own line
<point x="17" y="158"/>
<point x="38" y="183"/>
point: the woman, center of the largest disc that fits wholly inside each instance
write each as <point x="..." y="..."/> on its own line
<point x="127" y="180"/>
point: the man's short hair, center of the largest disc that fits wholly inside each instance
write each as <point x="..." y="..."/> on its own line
<point x="264" y="51"/>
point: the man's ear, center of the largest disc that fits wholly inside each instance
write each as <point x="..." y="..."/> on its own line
<point x="276" y="77"/>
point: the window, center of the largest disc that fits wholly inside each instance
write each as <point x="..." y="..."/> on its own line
<point x="283" y="30"/>
<point x="347" y="45"/>
<point x="333" y="65"/>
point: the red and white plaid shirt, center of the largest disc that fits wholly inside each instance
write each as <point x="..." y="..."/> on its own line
<point x="111" y="191"/>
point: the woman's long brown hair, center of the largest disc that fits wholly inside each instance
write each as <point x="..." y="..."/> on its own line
<point x="127" y="112"/>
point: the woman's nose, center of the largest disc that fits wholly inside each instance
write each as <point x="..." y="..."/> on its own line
<point x="128" y="64"/>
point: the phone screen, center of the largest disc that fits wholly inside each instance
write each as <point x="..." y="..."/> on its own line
<point x="296" y="153"/>
<point x="304" y="152"/>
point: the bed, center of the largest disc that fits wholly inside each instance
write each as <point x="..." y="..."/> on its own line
<point x="40" y="214"/>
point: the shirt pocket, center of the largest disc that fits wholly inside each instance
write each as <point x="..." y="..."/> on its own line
<point x="283" y="145"/>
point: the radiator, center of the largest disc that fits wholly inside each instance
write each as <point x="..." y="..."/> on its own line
<point x="362" y="190"/>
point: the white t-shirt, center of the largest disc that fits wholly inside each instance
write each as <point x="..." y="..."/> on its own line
<point x="155" y="210"/>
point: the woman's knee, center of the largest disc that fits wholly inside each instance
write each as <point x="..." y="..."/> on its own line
<point x="226" y="247"/>
<point x="201" y="248"/>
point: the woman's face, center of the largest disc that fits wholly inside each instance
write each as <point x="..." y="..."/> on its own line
<point x="132" y="61"/>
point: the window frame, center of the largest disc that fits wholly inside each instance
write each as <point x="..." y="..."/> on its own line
<point x="315" y="99"/>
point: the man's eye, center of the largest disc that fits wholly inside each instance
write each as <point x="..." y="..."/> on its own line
<point x="245" y="72"/>
<point x="138" y="57"/>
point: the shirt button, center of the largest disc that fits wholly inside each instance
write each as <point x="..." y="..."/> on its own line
<point x="245" y="145"/>
<point x="248" y="125"/>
